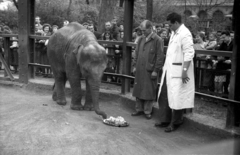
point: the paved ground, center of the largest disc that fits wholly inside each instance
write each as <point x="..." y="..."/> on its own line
<point x="31" y="123"/>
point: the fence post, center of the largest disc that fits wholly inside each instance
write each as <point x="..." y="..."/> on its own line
<point x="233" y="109"/>
<point x="26" y="23"/>
<point x="7" y="52"/>
<point x="127" y="50"/>
<point x="31" y="40"/>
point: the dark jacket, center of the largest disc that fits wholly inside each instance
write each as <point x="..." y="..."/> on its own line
<point x="148" y="58"/>
<point x="226" y="47"/>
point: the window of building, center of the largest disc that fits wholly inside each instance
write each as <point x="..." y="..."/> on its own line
<point x="218" y="16"/>
<point x="202" y="15"/>
<point x="187" y="13"/>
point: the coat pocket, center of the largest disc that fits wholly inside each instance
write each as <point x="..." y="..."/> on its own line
<point x="149" y="67"/>
<point x="176" y="70"/>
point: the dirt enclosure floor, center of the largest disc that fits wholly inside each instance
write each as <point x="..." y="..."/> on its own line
<point x="31" y="123"/>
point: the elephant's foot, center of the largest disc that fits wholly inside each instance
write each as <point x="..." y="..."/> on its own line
<point x="61" y="102"/>
<point x="88" y="108"/>
<point x="54" y="96"/>
<point x="76" y="107"/>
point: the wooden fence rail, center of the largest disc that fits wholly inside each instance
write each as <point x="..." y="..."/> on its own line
<point x="32" y="64"/>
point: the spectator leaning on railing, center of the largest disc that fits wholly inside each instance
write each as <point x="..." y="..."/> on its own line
<point x="211" y="45"/>
<point x="226" y="45"/>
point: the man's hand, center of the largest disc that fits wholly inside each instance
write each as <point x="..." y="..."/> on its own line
<point x="154" y="75"/>
<point x="228" y="61"/>
<point x="185" y="77"/>
<point x="134" y="70"/>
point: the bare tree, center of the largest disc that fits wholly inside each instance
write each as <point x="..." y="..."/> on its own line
<point x="149" y="9"/>
<point x="69" y="8"/>
<point x="106" y="12"/>
<point x="207" y="5"/>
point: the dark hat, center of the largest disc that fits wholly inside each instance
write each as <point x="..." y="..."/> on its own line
<point x="54" y="26"/>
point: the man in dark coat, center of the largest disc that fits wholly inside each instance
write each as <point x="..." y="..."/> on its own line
<point x="147" y="63"/>
<point x="226" y="45"/>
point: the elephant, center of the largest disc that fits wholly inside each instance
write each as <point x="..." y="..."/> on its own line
<point x="73" y="53"/>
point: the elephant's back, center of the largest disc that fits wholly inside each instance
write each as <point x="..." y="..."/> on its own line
<point x="82" y="36"/>
<point x="63" y="35"/>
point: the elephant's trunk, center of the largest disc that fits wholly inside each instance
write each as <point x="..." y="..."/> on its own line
<point x="95" y="97"/>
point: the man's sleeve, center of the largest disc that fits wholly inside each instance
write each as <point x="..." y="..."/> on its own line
<point x="159" y="54"/>
<point x="187" y="47"/>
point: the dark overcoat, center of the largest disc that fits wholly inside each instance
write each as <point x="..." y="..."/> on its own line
<point x="149" y="57"/>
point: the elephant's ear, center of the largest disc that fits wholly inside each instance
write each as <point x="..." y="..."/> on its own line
<point x="77" y="51"/>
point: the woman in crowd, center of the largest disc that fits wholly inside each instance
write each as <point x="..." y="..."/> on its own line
<point x="44" y="58"/>
<point x="110" y="50"/>
<point x="211" y="44"/>
<point x="163" y="34"/>
<point x="201" y="58"/>
<point x="119" y="59"/>
<point x="54" y="28"/>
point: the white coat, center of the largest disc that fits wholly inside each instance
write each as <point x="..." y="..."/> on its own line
<point x="180" y="49"/>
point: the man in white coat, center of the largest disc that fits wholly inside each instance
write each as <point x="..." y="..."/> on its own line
<point x="177" y="87"/>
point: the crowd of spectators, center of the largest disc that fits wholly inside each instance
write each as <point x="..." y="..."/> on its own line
<point x="218" y="80"/>
<point x="213" y="81"/>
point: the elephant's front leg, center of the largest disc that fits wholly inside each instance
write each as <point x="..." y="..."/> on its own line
<point x="75" y="83"/>
<point x="58" y="93"/>
<point x="88" y="98"/>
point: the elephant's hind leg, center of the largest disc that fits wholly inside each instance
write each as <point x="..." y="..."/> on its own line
<point x="88" y="99"/>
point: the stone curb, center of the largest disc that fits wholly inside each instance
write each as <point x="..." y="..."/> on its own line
<point x="197" y="121"/>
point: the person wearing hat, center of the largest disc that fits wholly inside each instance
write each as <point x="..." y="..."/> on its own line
<point x="38" y="25"/>
<point x="85" y="24"/>
<point x="47" y="30"/>
<point x="44" y="60"/>
<point x="54" y="28"/>
<point x="14" y="54"/>
<point x="65" y="23"/>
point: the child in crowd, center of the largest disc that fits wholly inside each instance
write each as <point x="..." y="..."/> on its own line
<point x="219" y="78"/>
<point x="210" y="45"/>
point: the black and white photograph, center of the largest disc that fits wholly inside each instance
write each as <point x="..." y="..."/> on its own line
<point x="119" y="77"/>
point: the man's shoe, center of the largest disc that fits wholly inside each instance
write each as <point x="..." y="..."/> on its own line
<point x="171" y="128"/>
<point x="161" y="125"/>
<point x="138" y="113"/>
<point x="148" y="116"/>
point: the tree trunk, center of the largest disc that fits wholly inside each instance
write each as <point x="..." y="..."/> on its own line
<point x="149" y="9"/>
<point x="106" y="13"/>
<point x="69" y="9"/>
